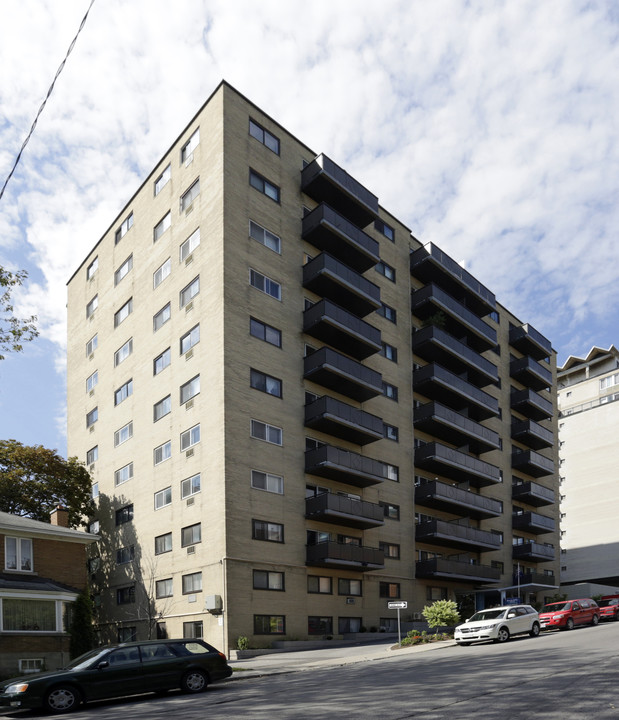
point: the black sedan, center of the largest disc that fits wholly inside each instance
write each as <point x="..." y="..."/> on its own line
<point x="118" y="670"/>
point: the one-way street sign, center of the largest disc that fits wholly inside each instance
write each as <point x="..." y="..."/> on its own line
<point x="401" y="605"/>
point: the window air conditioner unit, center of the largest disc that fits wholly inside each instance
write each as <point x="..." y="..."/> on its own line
<point x="350" y="601"/>
<point x="92" y="428"/>
<point x="189" y="259"/>
<point x="190" y="501"/>
<point x="417" y="616"/>
<point x="189" y="453"/>
<point x="188" y="160"/>
<point x="91" y="356"/>
<point x="189" y="404"/>
<point x="191" y="550"/>
<point x="91" y="393"/>
<point x="189" y="306"/>
<point x="188" y="209"/>
<point x="189" y="354"/>
<point x="92" y="317"/>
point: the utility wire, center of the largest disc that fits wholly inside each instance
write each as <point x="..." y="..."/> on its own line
<point x="49" y="92"/>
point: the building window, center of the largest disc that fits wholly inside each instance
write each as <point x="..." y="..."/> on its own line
<point x="346" y="586"/>
<point x="266" y="432"/>
<point x="267" y="481"/>
<point x="30" y="615"/>
<point x="348" y="625"/>
<point x="94" y="527"/>
<point x="190" y="486"/>
<point x="162" y="226"/>
<point x="391" y="432"/>
<point x="164" y="588"/>
<point x="127" y="634"/>
<point x="161" y="318"/>
<point x="265" y="237"/>
<point x="18" y="554"/>
<point x="192" y="583"/>
<point x="190" y="437"/>
<point x="163" y="543"/>
<point x="92" y="455"/>
<point x="162" y="180"/>
<point x="319" y="625"/>
<point x="193" y="629"/>
<point x="191" y="194"/>
<point x="125" y="555"/>
<point x="390" y="391"/>
<point x="163" y="498"/>
<point x="162" y="453"/>
<point x="189" y="245"/>
<point x="392" y="472"/>
<point x="92" y="269"/>
<point x="123" y="313"/>
<point x="319" y="584"/>
<point x="162" y="408"/>
<point x="385" y="229"/>
<point x="389" y="352"/>
<point x="265" y="383"/>
<point x="123" y="392"/>
<point x="391" y="550"/>
<point x="124" y="514"/>
<point x="190" y="389"/>
<point x="91" y="345"/>
<point x="162" y="361"/>
<point x="125" y="596"/>
<point x="385" y="270"/>
<point x="92" y="381"/>
<point x="123" y="474"/>
<point x="436" y="593"/>
<point x="390" y="510"/>
<point x="124" y="228"/>
<point x="189" y="339"/>
<point x="92" y="417"/>
<point x="262" y="530"/>
<point x="161" y="273"/>
<point x="265" y="284"/>
<point x="94" y="491"/>
<point x="389" y="590"/>
<point x="605" y="383"/>
<point x="190" y="146"/>
<point x="261" y="184"/>
<point x="92" y="306"/>
<point x="123" y="352"/>
<point x="268" y="580"/>
<point x="269" y="625"/>
<point x="265" y="332"/>
<point x="189" y="291"/>
<point x="123" y="434"/>
<point x="123" y="270"/>
<point x="263" y="136"/>
<point x="387" y="312"/>
<point x="191" y="535"/>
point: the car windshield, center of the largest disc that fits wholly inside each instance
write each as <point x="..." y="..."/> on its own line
<point x="488" y="614"/>
<point x="556" y="607"/>
<point x="87" y="659"/>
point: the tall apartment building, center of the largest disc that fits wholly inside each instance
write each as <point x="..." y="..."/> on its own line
<point x="588" y="390"/>
<point x="293" y="411"/>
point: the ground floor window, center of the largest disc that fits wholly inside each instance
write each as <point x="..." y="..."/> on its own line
<point x="319" y="625"/>
<point x="348" y="625"/>
<point x="31" y="665"/>
<point x="269" y="624"/>
<point x="193" y="629"/>
<point x="389" y="624"/>
<point x="20" y="614"/>
<point x="127" y="634"/>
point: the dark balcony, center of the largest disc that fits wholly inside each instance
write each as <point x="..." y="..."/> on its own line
<point x="436" y="345"/>
<point x="339" y="419"/>
<point x="342" y="510"/>
<point x="529" y="341"/>
<point x="533" y="493"/>
<point x="449" y="534"/>
<point x="531" y="404"/>
<point x="532" y="463"/>
<point x="456" y="465"/>
<point x="324" y="181"/>
<point x="328" y="230"/>
<point x="533" y="551"/>
<point x="456" y="570"/>
<point x="437" y="383"/>
<point x="335" y="326"/>
<point x="441" y="496"/>
<point x="449" y="425"/>
<point x="459" y="320"/>
<point x="530" y="373"/>
<point x="345" y="466"/>
<point x="533" y="578"/>
<point x="532" y="434"/>
<point x="430" y="264"/>
<point x="532" y="522"/>
<point x="343" y="375"/>
<point x="344" y="556"/>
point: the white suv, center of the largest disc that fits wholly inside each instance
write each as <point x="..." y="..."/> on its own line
<point x="498" y="624"/>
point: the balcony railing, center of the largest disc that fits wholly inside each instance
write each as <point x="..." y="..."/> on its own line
<point x="344" y="556"/>
<point x="345" y="466"/>
<point x="456" y="570"/>
<point x="341" y="374"/>
<point x="532" y="522"/>
<point x="456" y="465"/>
<point x="530" y="373"/>
<point x="342" y="510"/>
<point x="441" y="496"/>
<point x="330" y="278"/>
<point x="532" y="463"/>
<point x="449" y="534"/>
<point x="533" y="493"/>
<point x="532" y="434"/>
<point x="325" y="181"/>
<point x="529" y="341"/>
<point x="339" y="419"/>
<point x="447" y="424"/>
<point x="534" y="578"/>
<point x="531" y="404"/>
<point x="533" y="551"/>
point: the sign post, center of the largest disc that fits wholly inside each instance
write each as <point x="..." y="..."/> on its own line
<point x="399" y="605"/>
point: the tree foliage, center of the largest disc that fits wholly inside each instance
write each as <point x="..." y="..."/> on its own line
<point x="80" y="627"/>
<point x="13" y="331"/>
<point x="35" y="480"/>
<point x="442" y="613"/>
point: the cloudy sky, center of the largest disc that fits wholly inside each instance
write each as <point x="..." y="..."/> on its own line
<point x="489" y="127"/>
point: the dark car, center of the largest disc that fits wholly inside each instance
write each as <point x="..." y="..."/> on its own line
<point x="117" y="670"/>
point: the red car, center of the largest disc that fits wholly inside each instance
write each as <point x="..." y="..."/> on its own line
<point x="609" y="607"/>
<point x="567" y="613"/>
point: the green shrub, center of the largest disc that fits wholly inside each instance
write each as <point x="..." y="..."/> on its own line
<point x="242" y="642"/>
<point x="441" y="613"/>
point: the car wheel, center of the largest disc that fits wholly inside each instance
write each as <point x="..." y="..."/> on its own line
<point x="194" y="681"/>
<point x="569" y="625"/>
<point x="595" y="620"/>
<point x="62" y="698"/>
<point x="534" y="630"/>
<point x="502" y="635"/>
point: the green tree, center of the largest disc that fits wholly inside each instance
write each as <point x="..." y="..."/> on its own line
<point x="442" y="613"/>
<point x="35" y="480"/>
<point x="13" y="331"/>
<point x="80" y="627"/>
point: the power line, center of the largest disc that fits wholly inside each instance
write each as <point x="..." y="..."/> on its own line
<point x="49" y="92"/>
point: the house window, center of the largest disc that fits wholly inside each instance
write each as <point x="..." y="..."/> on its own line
<point x="162" y="180"/>
<point x="162" y="361"/>
<point x="265" y="332"/>
<point x="127" y="634"/>
<point x="189" y="245"/>
<point x="193" y="629"/>
<point x="190" y="146"/>
<point x="266" y="432"/>
<point x="269" y="624"/>
<point x="390" y="510"/>
<point x="163" y="498"/>
<point x="390" y="391"/>
<point x="319" y="625"/>
<point x="348" y="587"/>
<point x="29" y="615"/>
<point x="391" y="432"/>
<point x="190" y="389"/>
<point x="163" y="543"/>
<point x="18" y="554"/>
<point x="123" y="434"/>
<point x="124" y="228"/>
<point x="272" y="532"/>
<point x="348" y="625"/>
<point x="385" y="229"/>
<point x="92" y="269"/>
<point x="263" y="136"/>
<point x="28" y="666"/>
<point x="123" y="352"/>
<point x="190" y="437"/>
<point x="265" y="284"/>
<point x="389" y="352"/>
<point x="189" y="291"/>
<point x="94" y="527"/>
<point x="92" y="306"/>
<point x="392" y="472"/>
<point x="391" y="550"/>
<point x="92" y="417"/>
<point x="192" y="583"/>
<point x="267" y="481"/>
<point x="123" y="313"/>
<point x="162" y="453"/>
<point x="91" y="345"/>
<point x="123" y="270"/>
<point x="125" y="554"/>
<point x="162" y="408"/>
<point x="92" y="455"/>
<point x="191" y="194"/>
<point x="189" y="339"/>
<point x="92" y="381"/>
<point x="163" y="588"/>
<point x="389" y="590"/>
<point x="265" y="383"/>
<point x="162" y="226"/>
<point x="387" y="312"/>
<point x="268" y="580"/>
<point x="125" y="595"/>
<point x="386" y="270"/>
<point x="190" y="486"/>
<point x="261" y="184"/>
<point x="123" y="392"/>
<point x="161" y="273"/>
<point x="161" y="318"/>
<point x="319" y="584"/>
<point x="123" y="474"/>
<point x="191" y="535"/>
<point x="124" y="515"/>
<point x="265" y="237"/>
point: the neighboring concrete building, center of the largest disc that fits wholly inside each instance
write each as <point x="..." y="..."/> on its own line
<point x="239" y="384"/>
<point x="43" y="571"/>
<point x="588" y="389"/>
